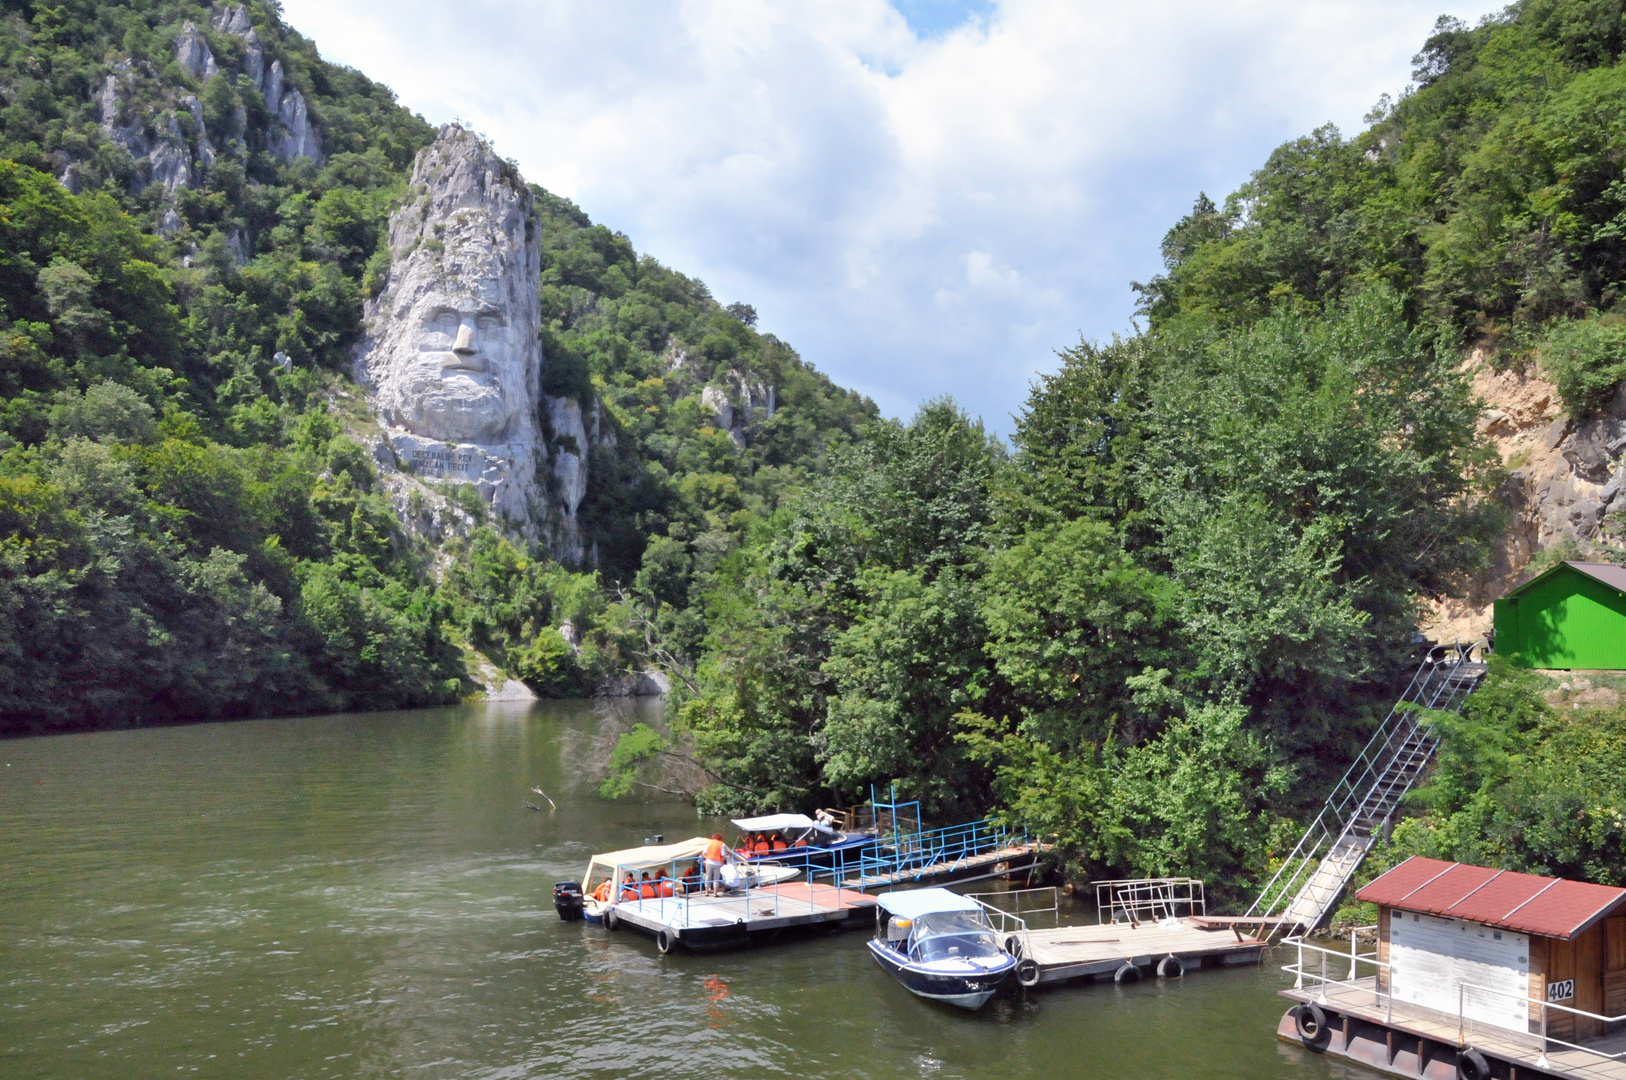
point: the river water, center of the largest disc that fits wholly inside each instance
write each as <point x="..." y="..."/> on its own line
<point x="368" y="896"/>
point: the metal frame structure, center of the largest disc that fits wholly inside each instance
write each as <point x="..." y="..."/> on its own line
<point x="1140" y="900"/>
<point x="1363" y="802"/>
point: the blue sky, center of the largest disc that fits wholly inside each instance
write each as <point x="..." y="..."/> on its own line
<point x="933" y="18"/>
<point x="924" y="197"/>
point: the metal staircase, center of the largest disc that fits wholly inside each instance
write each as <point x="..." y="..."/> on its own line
<point x="1363" y="802"/>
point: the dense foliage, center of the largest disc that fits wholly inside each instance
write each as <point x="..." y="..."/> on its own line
<point x="190" y="528"/>
<point x="189" y="533"/>
<point x="1160" y="626"/>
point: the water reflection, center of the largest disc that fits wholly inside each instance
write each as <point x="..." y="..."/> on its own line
<point x="367" y="895"/>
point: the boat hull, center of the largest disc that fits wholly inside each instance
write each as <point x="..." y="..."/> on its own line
<point x="959" y="988"/>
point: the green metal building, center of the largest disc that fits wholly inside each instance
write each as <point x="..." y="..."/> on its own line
<point x="1573" y="616"/>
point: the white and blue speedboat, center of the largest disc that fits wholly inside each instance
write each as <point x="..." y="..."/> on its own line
<point x="941" y="946"/>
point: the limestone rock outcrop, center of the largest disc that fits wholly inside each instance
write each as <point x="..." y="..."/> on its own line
<point x="452" y="358"/>
<point x="143" y="116"/>
<point x="743" y="403"/>
<point x="1563" y="484"/>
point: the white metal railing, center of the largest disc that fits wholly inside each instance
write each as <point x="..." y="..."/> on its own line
<point x="1008" y="924"/>
<point x="1383" y="996"/>
<point x="1148" y="899"/>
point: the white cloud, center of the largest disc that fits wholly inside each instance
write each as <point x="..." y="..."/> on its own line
<point x="918" y="215"/>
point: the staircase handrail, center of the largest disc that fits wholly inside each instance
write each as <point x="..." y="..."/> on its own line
<point x="1432" y="681"/>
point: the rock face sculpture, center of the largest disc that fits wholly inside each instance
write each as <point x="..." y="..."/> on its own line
<point x="453" y="358"/>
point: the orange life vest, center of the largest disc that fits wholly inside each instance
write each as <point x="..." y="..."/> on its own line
<point x="714" y="851"/>
<point x="602" y="893"/>
<point x="779" y="843"/>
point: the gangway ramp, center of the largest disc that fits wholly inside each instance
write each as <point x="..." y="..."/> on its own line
<point x="1307" y="885"/>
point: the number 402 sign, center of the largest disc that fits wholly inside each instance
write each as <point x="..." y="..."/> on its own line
<point x="1561" y="991"/>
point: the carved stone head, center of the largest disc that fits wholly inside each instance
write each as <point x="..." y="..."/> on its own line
<point x="453" y="352"/>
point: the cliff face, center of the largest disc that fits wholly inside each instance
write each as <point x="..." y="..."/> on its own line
<point x="452" y="361"/>
<point x="1562" y="489"/>
<point x="162" y="127"/>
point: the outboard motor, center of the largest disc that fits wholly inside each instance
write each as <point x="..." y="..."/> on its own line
<point x="568" y="900"/>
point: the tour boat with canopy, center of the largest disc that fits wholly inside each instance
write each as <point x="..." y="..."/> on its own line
<point x="796" y="838"/>
<point x="941" y="946"/>
<point x="651" y="872"/>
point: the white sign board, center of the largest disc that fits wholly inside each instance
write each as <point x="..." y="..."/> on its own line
<point x="1437" y="963"/>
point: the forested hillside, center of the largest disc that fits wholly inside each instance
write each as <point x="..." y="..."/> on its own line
<point x="1153" y="626"/>
<point x="1158" y="626"/>
<point x="193" y="206"/>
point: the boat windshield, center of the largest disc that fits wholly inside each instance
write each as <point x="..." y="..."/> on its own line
<point x="948" y="934"/>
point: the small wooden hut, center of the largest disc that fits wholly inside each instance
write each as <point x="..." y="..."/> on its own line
<point x="1495" y="944"/>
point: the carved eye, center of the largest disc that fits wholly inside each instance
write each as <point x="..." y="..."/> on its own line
<point x="491" y="322"/>
<point x="439" y="330"/>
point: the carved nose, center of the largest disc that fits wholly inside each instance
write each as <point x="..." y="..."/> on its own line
<point x="464" y="345"/>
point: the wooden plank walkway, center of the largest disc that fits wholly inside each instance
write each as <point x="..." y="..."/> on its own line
<point x="1372" y="1018"/>
<point x="1072" y="952"/>
<point x="1016" y="856"/>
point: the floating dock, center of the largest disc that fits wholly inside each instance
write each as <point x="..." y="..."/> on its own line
<point x="1403" y="1040"/>
<point x="1143" y="926"/>
<point x="1078" y="952"/>
<point x="738" y="919"/>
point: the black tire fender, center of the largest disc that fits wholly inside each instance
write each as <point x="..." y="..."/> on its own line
<point x="1013" y="945"/>
<point x="1314" y="1030"/>
<point x="612" y="921"/>
<point x="1471" y="1065"/>
<point x="1170" y="967"/>
<point x="1128" y="973"/>
<point x="664" y="940"/>
<point x="1027" y="972"/>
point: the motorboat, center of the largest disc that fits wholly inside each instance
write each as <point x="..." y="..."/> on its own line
<point x="651" y="872"/>
<point x="941" y="946"/>
<point x="797" y="839"/>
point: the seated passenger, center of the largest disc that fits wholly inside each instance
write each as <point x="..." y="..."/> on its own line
<point x="602" y="893"/>
<point x="779" y="843"/>
<point x="646" y="887"/>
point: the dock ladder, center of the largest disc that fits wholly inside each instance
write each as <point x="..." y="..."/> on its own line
<point x="1362" y="804"/>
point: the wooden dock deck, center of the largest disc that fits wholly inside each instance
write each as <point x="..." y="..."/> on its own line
<point x="703" y="922"/>
<point x="1409" y="1040"/>
<point x="1014" y="857"/>
<point x="1094" y="950"/>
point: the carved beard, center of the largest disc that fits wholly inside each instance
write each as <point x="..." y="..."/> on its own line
<point x="457" y="406"/>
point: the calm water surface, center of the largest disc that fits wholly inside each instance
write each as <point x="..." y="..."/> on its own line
<point x="367" y="895"/>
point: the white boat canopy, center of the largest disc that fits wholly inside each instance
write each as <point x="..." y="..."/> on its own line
<point x="775" y="822"/>
<point x="913" y="903"/>
<point x="647" y="857"/>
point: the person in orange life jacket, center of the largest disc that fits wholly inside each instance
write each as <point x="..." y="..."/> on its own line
<point x="646" y="887"/>
<point x="801" y="841"/>
<point x="629" y="887"/>
<point x="691" y="876"/>
<point x="663" y="882"/>
<point x="778" y="843"/>
<point x="602" y="893"/>
<point x="716" y="851"/>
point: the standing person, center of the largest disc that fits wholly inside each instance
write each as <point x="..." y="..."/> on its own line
<point x="715" y="853"/>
